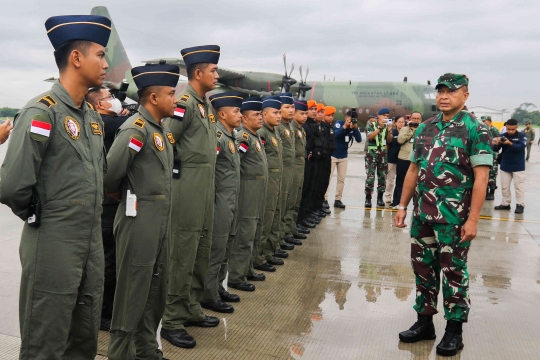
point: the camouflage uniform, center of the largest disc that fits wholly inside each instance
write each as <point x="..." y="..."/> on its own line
<point x="445" y="153"/>
<point x="494" y="171"/>
<point x="376" y="160"/>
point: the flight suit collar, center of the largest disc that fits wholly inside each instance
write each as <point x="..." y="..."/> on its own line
<point x="268" y="127"/>
<point x="458" y="116"/>
<point x="191" y="91"/>
<point x="60" y="91"/>
<point x="222" y="128"/>
<point x="249" y="131"/>
<point x="147" y="116"/>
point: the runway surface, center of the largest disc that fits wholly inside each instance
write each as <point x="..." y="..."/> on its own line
<point x="349" y="290"/>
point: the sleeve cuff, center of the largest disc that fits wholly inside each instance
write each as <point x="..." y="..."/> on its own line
<point x="482" y="159"/>
<point x="413" y="159"/>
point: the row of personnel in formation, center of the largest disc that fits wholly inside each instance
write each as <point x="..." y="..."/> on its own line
<point x="189" y="198"/>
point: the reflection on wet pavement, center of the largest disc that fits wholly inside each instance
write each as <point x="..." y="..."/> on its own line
<point x="349" y="290"/>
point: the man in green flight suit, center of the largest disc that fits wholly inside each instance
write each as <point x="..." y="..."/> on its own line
<point x="251" y="200"/>
<point x="52" y="178"/>
<point x="271" y="111"/>
<point x="227" y="107"/>
<point x="492" y="183"/>
<point x="194" y="129"/>
<point x="530" y="133"/>
<point x="287" y="241"/>
<point x="140" y="174"/>
<point x="379" y="134"/>
<point x="448" y="177"/>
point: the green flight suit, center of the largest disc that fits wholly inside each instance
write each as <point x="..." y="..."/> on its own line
<point x="270" y="236"/>
<point x="288" y="157"/>
<point x="251" y="200"/>
<point x="298" y="178"/>
<point x="140" y="160"/>
<point x="225" y="206"/>
<point x="192" y="216"/>
<point x="57" y="149"/>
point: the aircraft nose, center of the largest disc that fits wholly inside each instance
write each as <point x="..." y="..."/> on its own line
<point x="291" y="81"/>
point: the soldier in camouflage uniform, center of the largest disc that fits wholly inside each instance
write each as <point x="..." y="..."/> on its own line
<point x="378" y="134"/>
<point x="449" y="169"/>
<point x="492" y="184"/>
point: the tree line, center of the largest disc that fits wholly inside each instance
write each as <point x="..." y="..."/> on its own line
<point x="7" y="111"/>
<point x="525" y="112"/>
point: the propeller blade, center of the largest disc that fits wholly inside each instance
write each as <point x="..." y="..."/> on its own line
<point x="292" y="68"/>
<point x="307" y="72"/>
<point x="285" y="63"/>
<point x="301" y="77"/>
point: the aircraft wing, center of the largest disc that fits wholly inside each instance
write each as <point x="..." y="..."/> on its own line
<point x="224" y="74"/>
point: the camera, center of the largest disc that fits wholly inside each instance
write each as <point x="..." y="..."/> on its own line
<point x="503" y="139"/>
<point x="413" y="124"/>
<point x="354" y="116"/>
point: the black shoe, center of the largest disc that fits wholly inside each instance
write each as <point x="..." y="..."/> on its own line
<point x="452" y="340"/>
<point x="293" y="241"/>
<point x="217" y="306"/>
<point x="519" y="209"/>
<point x="325" y="204"/>
<point x="314" y="219"/>
<point x="423" y="329"/>
<point x="308" y="224"/>
<point x="281" y="254"/>
<point x="502" y="207"/>
<point x="367" y="203"/>
<point x="179" y="338"/>
<point x="105" y="324"/>
<point x="243" y="286"/>
<point x="490" y="195"/>
<point x="325" y="211"/>
<point x="300" y="236"/>
<point x="276" y="261"/>
<point x="208" y="321"/>
<point x="302" y="229"/>
<point x="265" y="267"/>
<point x="287" y="246"/>
<point x="256" y="277"/>
<point x="228" y="297"/>
<point x="319" y="213"/>
<point x="393" y="205"/>
<point x="380" y="201"/>
<point x="339" y="204"/>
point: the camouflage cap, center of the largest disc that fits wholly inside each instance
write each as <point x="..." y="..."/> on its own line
<point x="486" y="117"/>
<point x="452" y="81"/>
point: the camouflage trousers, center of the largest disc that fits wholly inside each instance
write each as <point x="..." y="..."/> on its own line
<point x="436" y="247"/>
<point x="492" y="183"/>
<point x="376" y="163"/>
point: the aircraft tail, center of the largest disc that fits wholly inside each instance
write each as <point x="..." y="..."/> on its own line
<point x="116" y="55"/>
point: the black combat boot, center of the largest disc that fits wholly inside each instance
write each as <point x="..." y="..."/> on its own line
<point x="452" y="340"/>
<point x="368" y="200"/>
<point x="423" y="329"/>
<point x="325" y="204"/>
<point x="380" y="201"/>
<point x="490" y="194"/>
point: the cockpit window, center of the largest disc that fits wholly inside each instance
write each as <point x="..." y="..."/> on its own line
<point x="429" y="94"/>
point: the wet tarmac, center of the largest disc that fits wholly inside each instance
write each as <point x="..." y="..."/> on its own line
<point x="349" y="290"/>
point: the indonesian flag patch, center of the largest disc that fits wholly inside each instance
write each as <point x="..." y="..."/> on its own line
<point x="41" y="128"/>
<point x="243" y="147"/>
<point x="218" y="149"/>
<point x="135" y="144"/>
<point x="179" y="112"/>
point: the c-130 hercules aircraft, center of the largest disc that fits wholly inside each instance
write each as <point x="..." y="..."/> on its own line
<point x="367" y="97"/>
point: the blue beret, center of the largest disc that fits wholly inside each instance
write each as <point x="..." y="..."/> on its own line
<point x="150" y="75"/>
<point x="201" y="54"/>
<point x="228" y="98"/>
<point x="383" y="111"/>
<point x="271" y="101"/>
<point x="300" y="105"/>
<point x="286" y="98"/>
<point x="252" y="103"/>
<point x="61" y="29"/>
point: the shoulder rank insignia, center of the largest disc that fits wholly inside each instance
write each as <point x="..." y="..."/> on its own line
<point x="179" y="112"/>
<point x="171" y="138"/>
<point x="185" y="97"/>
<point x="243" y="147"/>
<point x="274" y="141"/>
<point x="72" y="127"/>
<point x="90" y="106"/>
<point x="232" y="148"/>
<point x="139" y="123"/>
<point x="212" y="118"/>
<point x="96" y="129"/>
<point x="219" y="134"/>
<point x="48" y="101"/>
<point x="158" y="141"/>
<point x="245" y="136"/>
<point x="201" y="110"/>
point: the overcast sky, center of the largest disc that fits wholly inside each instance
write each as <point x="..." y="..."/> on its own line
<point x="496" y="43"/>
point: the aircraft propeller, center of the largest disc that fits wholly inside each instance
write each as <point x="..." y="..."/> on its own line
<point x="303" y="87"/>
<point x="287" y="80"/>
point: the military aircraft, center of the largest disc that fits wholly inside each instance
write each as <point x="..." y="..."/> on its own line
<point x="366" y="97"/>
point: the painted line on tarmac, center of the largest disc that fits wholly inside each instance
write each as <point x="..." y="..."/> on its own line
<point x="484" y="217"/>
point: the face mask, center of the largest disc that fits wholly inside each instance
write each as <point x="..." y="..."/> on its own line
<point x="116" y="106"/>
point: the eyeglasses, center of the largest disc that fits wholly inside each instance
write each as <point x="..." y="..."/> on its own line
<point x="109" y="97"/>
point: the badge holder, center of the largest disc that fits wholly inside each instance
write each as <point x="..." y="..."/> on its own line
<point x="131" y="204"/>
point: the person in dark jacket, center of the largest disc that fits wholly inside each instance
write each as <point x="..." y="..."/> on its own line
<point x="392" y="156"/>
<point x="345" y="133"/>
<point x="513" y="144"/>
